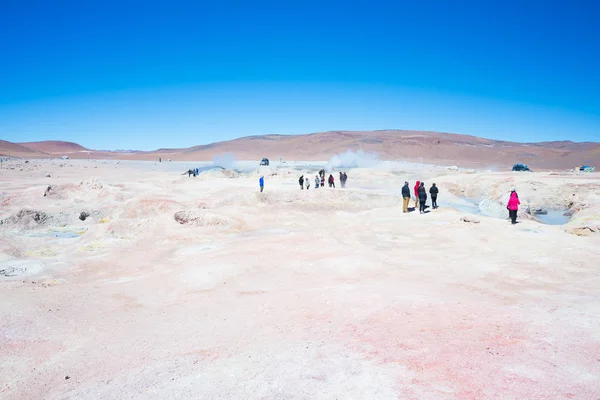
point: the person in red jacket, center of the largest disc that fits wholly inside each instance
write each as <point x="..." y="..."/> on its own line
<point x="416" y="190"/>
<point x="513" y="205"/>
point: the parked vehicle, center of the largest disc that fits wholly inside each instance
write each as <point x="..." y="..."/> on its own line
<point x="520" y="167"/>
<point x="264" y="161"/>
<point x="585" y="168"/>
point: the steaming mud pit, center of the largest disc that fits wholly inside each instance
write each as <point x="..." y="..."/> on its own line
<point x="293" y="294"/>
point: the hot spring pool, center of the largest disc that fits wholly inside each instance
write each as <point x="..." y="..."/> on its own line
<point x="554" y="217"/>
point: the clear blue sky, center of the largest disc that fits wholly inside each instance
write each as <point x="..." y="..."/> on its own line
<point x="143" y="75"/>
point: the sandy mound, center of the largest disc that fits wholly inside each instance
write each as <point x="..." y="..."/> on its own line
<point x="145" y="208"/>
<point x="27" y="219"/>
<point x="218" y="172"/>
<point x="201" y="218"/>
<point x="85" y="191"/>
<point x="585" y="230"/>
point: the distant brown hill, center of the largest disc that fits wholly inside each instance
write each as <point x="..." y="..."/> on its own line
<point x="418" y="146"/>
<point x="9" y="149"/>
<point x="54" y="147"/>
<point x="427" y="147"/>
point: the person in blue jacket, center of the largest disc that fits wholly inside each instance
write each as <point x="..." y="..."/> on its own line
<point x="261" y="182"/>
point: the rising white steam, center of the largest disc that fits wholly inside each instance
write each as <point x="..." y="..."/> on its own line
<point x="226" y="160"/>
<point x="351" y="159"/>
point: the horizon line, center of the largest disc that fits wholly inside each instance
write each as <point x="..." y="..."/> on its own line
<point x="309" y="134"/>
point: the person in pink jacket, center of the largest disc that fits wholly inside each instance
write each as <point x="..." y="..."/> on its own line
<point x="513" y="205"/>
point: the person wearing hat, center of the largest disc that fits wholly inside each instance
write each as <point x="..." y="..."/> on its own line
<point x="433" y="191"/>
<point x="405" y="197"/>
<point x="513" y="205"/>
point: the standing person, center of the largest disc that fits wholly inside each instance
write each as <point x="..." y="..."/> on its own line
<point x="513" y="205"/>
<point x="433" y="191"/>
<point x="261" y="183"/>
<point x="323" y="180"/>
<point x="301" y="182"/>
<point x="331" y="181"/>
<point x="345" y="179"/>
<point x="317" y="181"/>
<point x="416" y="190"/>
<point x="422" y="197"/>
<point x="405" y="197"/>
<point x="341" y="180"/>
<point x="307" y="181"/>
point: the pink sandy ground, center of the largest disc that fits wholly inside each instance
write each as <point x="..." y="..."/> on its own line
<point x="288" y="294"/>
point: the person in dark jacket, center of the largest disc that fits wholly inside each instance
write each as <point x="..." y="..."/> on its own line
<point x="331" y="181"/>
<point x="433" y="191"/>
<point x="301" y="182"/>
<point x="405" y="197"/>
<point x="422" y="197"/>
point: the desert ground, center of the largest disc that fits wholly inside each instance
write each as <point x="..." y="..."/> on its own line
<point x="204" y="288"/>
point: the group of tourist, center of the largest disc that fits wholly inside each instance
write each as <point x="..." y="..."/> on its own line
<point x="420" y="193"/>
<point x="419" y="190"/>
<point x="192" y="172"/>
<point x="320" y="180"/>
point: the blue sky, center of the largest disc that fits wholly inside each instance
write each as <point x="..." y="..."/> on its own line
<point x="144" y="75"/>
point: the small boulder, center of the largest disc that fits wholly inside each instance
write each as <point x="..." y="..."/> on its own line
<point x="28" y="218"/>
<point x="585" y="230"/>
<point x="183" y="217"/>
<point x="83" y="215"/>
